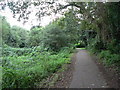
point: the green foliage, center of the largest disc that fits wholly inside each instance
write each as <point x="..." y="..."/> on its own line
<point x="5" y="29"/>
<point x="114" y="47"/>
<point x="25" y="70"/>
<point x="49" y="46"/>
<point x="96" y="45"/>
<point x="86" y="25"/>
<point x="54" y="38"/>
<point x="19" y="37"/>
<point x="35" y="36"/>
<point x="81" y="44"/>
<point x="10" y="51"/>
<point x="107" y="43"/>
<point x="114" y="24"/>
<point x="109" y="58"/>
<point x="13" y="36"/>
<point x="72" y="27"/>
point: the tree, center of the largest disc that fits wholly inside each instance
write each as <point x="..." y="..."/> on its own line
<point x="92" y="15"/>
<point x="35" y="36"/>
<point x="54" y="38"/>
<point x="5" y="30"/>
<point x="19" y="36"/>
<point x="13" y="36"/>
<point x="72" y="26"/>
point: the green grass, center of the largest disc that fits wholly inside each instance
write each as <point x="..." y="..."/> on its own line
<point x="24" y="71"/>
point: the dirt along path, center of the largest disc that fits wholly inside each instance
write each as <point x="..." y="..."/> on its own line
<point x="86" y="73"/>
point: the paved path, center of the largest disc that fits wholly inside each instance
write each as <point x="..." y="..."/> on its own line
<point x="86" y="74"/>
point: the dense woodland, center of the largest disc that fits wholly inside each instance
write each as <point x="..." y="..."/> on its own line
<point x="30" y="56"/>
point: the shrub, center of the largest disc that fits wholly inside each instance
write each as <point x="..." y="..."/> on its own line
<point x="109" y="58"/>
<point x="25" y="70"/>
<point x="114" y="46"/>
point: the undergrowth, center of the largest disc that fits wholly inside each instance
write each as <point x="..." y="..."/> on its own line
<point x="108" y="54"/>
<point x="109" y="58"/>
<point x="26" y="69"/>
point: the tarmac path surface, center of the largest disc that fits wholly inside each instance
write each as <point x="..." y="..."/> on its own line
<point x="86" y="73"/>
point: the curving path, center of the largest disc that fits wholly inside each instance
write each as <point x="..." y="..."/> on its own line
<point x="86" y="74"/>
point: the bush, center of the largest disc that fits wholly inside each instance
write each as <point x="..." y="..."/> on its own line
<point x="9" y="51"/>
<point x="25" y="70"/>
<point x="114" y="47"/>
<point x="96" y="45"/>
<point x="109" y="58"/>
